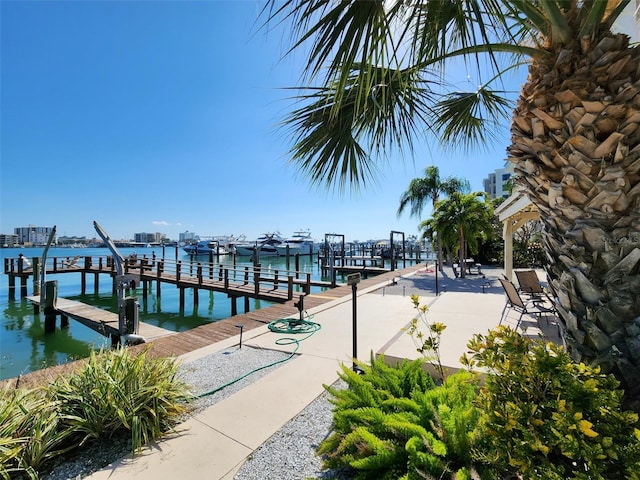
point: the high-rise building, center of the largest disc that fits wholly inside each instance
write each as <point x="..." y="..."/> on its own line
<point x="143" y="237"/>
<point x="188" y="237"/>
<point x="8" y="240"/>
<point x="498" y="183"/>
<point x="33" y="235"/>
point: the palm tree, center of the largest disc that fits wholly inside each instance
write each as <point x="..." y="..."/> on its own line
<point x="465" y="218"/>
<point x="377" y="69"/>
<point x="431" y="186"/>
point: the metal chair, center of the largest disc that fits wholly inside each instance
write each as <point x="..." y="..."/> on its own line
<point x="529" y="283"/>
<point x="515" y="302"/>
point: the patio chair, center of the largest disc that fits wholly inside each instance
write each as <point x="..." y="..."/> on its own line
<point x="515" y="302"/>
<point x="530" y="285"/>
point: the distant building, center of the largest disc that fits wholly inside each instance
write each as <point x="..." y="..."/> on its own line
<point x="73" y="241"/>
<point x="33" y="235"/>
<point x="149" y="237"/>
<point x="188" y="237"/>
<point x="8" y="240"/>
<point x="498" y="183"/>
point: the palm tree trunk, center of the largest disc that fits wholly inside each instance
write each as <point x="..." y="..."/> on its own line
<point x="576" y="146"/>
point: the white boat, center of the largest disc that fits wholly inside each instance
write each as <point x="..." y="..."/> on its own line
<point x="299" y="243"/>
<point x="222" y="244"/>
<point x="204" y="247"/>
<point x="265" y="245"/>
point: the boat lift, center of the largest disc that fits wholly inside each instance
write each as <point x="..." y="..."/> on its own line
<point x="128" y="307"/>
<point x="43" y="272"/>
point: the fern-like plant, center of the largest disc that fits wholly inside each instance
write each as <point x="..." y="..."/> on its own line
<point x="393" y="422"/>
<point x="450" y="416"/>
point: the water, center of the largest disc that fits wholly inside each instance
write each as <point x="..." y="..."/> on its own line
<point x="24" y="347"/>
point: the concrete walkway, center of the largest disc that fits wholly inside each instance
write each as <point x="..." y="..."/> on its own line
<point x="215" y="443"/>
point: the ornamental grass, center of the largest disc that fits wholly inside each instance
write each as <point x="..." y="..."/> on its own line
<point x="115" y="392"/>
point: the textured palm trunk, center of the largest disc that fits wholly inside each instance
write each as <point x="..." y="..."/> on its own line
<point x="576" y="146"/>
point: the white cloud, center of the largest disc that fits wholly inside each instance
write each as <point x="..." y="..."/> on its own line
<point x="160" y="223"/>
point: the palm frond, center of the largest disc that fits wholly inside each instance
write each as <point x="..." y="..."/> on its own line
<point x="340" y="34"/>
<point x="529" y="13"/>
<point x="335" y="142"/>
<point x="560" y="29"/>
<point x="614" y="13"/>
<point x="469" y="118"/>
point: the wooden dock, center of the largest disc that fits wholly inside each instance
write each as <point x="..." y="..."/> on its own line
<point x="245" y="282"/>
<point x="205" y="335"/>
<point x="99" y="320"/>
<point x="237" y="282"/>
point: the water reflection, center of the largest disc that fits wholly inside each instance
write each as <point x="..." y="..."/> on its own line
<point x="26" y="347"/>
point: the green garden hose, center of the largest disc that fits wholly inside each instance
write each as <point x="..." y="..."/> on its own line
<point x="282" y="325"/>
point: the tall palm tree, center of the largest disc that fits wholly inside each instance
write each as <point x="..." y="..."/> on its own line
<point x="575" y="129"/>
<point x="464" y="217"/>
<point x="431" y="186"/>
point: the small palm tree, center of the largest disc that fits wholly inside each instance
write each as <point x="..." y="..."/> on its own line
<point x="465" y="217"/>
<point x="431" y="186"/>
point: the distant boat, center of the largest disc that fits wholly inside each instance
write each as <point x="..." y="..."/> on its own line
<point x="265" y="245"/>
<point x="220" y="245"/>
<point x="299" y="243"/>
<point x="204" y="247"/>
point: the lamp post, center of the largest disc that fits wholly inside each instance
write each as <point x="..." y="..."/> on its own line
<point x="241" y="327"/>
<point x="353" y="280"/>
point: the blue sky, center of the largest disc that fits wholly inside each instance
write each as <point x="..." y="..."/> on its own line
<point x="163" y="116"/>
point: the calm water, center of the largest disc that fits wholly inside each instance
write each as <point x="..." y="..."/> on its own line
<point x="24" y="347"/>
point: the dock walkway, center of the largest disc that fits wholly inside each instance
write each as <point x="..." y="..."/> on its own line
<point x="100" y="320"/>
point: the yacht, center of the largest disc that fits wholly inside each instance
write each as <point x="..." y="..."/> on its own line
<point x="204" y="247"/>
<point x="298" y="243"/>
<point x="222" y="244"/>
<point x="266" y="245"/>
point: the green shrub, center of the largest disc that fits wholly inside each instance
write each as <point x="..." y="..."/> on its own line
<point x="393" y="422"/>
<point x="30" y="431"/>
<point x="449" y="416"/>
<point x="113" y="392"/>
<point x="117" y="391"/>
<point x="15" y="406"/>
<point x="544" y="416"/>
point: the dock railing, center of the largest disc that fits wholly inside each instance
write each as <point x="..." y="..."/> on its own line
<point x="189" y="273"/>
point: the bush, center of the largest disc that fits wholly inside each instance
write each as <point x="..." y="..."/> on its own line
<point x="31" y="432"/>
<point x="117" y="391"/>
<point x="394" y="422"/>
<point x="114" y="392"/>
<point x="15" y="406"/>
<point x="543" y="416"/>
